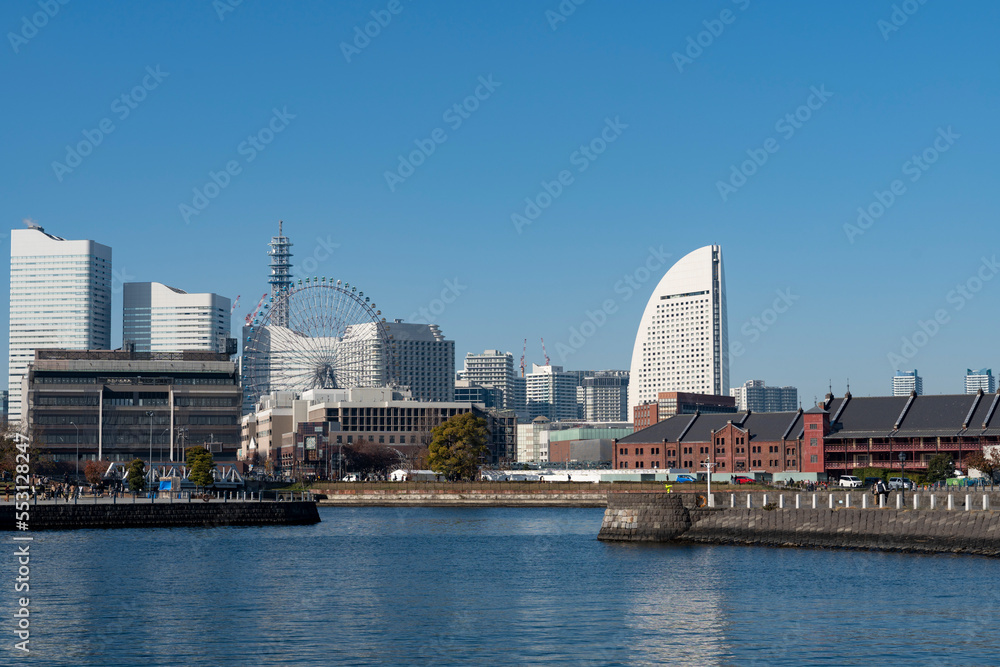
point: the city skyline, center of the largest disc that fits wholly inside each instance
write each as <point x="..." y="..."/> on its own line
<point x="838" y="163"/>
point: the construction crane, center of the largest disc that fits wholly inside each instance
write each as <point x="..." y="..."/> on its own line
<point x="545" y="353"/>
<point x="234" y="304"/>
<point x="260" y="304"/>
<point x="523" y="352"/>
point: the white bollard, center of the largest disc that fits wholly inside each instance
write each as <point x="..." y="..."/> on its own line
<point x="749" y="501"/>
<point x="781" y="501"/>
<point x="881" y="500"/>
<point x="899" y="501"/>
<point x="933" y="501"/>
<point x="986" y="502"/>
<point x="732" y="500"/>
<point x="798" y="497"/>
<point x="831" y="501"/>
<point x="864" y="501"/>
<point x="764" y="502"/>
<point x="814" y="501"/>
<point x="916" y="501"/>
<point x="847" y="500"/>
<point x="951" y="502"/>
<point x="968" y="502"/>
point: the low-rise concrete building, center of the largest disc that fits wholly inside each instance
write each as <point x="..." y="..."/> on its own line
<point x="118" y="404"/>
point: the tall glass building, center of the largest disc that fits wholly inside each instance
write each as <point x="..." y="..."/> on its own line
<point x="60" y="297"/>
<point x="683" y="338"/>
<point x="980" y="379"/>
<point x="158" y="318"/>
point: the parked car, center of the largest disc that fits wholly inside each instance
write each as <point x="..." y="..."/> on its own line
<point x="743" y="479"/>
<point x="896" y="483"/>
<point x="681" y="479"/>
<point x="872" y="481"/>
<point x="850" y="481"/>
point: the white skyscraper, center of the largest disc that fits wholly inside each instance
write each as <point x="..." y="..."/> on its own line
<point x="683" y="338"/>
<point x="905" y="382"/>
<point x="60" y="297"/>
<point x="551" y="393"/>
<point x="158" y="318"/>
<point x="495" y="369"/>
<point x="756" y="396"/>
<point x="981" y="379"/>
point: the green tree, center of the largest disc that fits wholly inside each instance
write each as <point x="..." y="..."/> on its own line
<point x="940" y="468"/>
<point x="136" y="476"/>
<point x="200" y="464"/>
<point x="457" y="445"/>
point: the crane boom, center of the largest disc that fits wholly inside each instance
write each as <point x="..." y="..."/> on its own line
<point x="253" y="315"/>
<point x="235" y="303"/>
<point x="524" y="351"/>
<point x="546" y="354"/>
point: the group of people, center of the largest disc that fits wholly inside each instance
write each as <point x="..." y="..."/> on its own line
<point x="47" y="489"/>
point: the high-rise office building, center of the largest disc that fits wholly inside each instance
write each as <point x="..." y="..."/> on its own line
<point x="60" y="297"/>
<point x="981" y="379"/>
<point x="551" y="393"/>
<point x="158" y="318"/>
<point x="756" y="396"/>
<point x="683" y="339"/>
<point x="905" y="382"/>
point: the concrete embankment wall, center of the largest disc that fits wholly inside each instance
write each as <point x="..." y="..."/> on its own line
<point x="663" y="517"/>
<point x="45" y="516"/>
<point x="466" y="499"/>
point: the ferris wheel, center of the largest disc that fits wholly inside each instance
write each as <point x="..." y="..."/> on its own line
<point x="318" y="334"/>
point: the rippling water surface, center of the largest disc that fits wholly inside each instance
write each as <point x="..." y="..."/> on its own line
<point x="440" y="586"/>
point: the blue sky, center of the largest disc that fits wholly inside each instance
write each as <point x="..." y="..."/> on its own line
<point x="887" y="90"/>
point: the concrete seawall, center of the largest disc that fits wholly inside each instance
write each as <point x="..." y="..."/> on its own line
<point x="651" y="517"/>
<point x="53" y="516"/>
<point x="438" y="499"/>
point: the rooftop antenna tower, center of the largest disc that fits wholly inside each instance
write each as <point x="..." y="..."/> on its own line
<point x="281" y="274"/>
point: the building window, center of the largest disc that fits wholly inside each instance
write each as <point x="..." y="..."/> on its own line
<point x="811" y="426"/>
<point x="812" y="442"/>
<point x="813" y="459"/>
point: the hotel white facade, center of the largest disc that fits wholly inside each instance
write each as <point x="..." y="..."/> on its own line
<point x="60" y="297"/>
<point x="159" y="318"/>
<point x="683" y="339"/>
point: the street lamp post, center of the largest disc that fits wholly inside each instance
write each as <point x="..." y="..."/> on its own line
<point x="149" y="413"/>
<point x="77" y="449"/>
<point x="902" y="476"/>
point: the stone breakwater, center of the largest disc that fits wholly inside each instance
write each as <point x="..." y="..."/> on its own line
<point x="658" y="517"/>
<point x="45" y="516"/>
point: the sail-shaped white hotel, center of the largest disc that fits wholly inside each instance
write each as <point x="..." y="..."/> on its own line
<point x="683" y="338"/>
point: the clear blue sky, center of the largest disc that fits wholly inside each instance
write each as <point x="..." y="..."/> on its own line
<point x="886" y="94"/>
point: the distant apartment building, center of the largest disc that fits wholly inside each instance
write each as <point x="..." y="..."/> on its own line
<point x="159" y="318"/>
<point x="495" y="369"/>
<point x="117" y="405"/>
<point x="981" y="379"/>
<point x="551" y="393"/>
<point x="603" y="396"/>
<point x="906" y="382"/>
<point x="670" y="403"/>
<point x="756" y="396"/>
<point x="60" y="298"/>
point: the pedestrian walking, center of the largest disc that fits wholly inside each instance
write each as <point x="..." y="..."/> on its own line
<point x="883" y="492"/>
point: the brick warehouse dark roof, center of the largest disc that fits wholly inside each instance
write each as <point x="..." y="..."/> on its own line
<point x="861" y="417"/>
